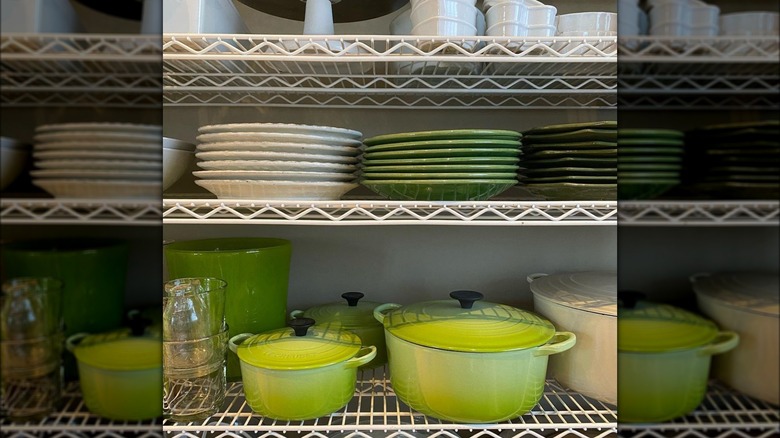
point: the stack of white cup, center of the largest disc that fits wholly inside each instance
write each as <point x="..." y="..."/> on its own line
<point x="519" y="18"/>
<point x="444" y="17"/>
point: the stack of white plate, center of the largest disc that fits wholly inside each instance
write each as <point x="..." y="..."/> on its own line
<point x="275" y="161"/>
<point x="98" y="160"/>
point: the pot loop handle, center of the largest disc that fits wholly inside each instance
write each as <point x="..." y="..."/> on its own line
<point x="532" y="277"/>
<point x="363" y="356"/>
<point x="723" y="342"/>
<point x="560" y="342"/>
<point x="236" y="340"/>
<point x="296" y="314"/>
<point x="380" y="310"/>
<point x="73" y="341"/>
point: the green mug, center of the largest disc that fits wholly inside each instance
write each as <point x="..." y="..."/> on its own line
<point x="257" y="272"/>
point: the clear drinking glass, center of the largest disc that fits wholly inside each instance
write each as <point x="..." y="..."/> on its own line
<point x="30" y="354"/>
<point x="188" y="355"/>
<point x="30" y="308"/>
<point x="193" y="308"/>
<point x="32" y="393"/>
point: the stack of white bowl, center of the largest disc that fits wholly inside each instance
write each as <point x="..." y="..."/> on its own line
<point x="587" y="24"/>
<point x="273" y="161"/>
<point x="177" y="156"/>
<point x="683" y="18"/>
<point x="98" y="160"/>
<point x="452" y="18"/>
<point x="13" y="155"/>
<point x="511" y="18"/>
<point x="632" y="20"/>
<point x="750" y="23"/>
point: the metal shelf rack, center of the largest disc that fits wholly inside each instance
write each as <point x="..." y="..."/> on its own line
<point x="375" y="408"/>
<point x="79" y="211"/>
<point x="485" y="213"/>
<point x="699" y="73"/>
<point x="75" y="421"/>
<point x="81" y="70"/>
<point x="389" y="71"/>
<point x="699" y="213"/>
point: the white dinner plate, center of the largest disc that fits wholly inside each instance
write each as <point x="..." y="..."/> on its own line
<point x="278" y="147"/>
<point x="278" y="137"/>
<point x="272" y="175"/>
<point x="281" y="166"/>
<point x="289" y="128"/>
<point x="99" y="164"/>
<point x="101" y="188"/>
<point x="283" y="156"/>
<point x="98" y="155"/>
<point x="95" y="136"/>
<point x="96" y="145"/>
<point x="276" y="190"/>
<point x="91" y="127"/>
<point x="96" y="174"/>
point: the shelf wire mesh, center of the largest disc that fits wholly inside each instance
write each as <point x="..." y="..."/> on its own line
<point x="79" y="211"/>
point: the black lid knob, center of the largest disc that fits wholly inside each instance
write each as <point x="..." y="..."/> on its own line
<point x="301" y="325"/>
<point x="137" y="323"/>
<point x="629" y="298"/>
<point x="352" y="298"/>
<point x="466" y="297"/>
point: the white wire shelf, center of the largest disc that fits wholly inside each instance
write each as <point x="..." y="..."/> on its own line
<point x="699" y="73"/>
<point x="376" y="408"/>
<point x="81" y="70"/>
<point x="498" y="213"/>
<point x="75" y="421"/>
<point x="79" y="211"/>
<point x="699" y="213"/>
<point x="723" y="413"/>
<point x="389" y="71"/>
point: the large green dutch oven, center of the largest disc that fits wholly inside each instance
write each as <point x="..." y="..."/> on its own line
<point x="468" y="361"/>
<point x="302" y="372"/>
<point x="353" y="315"/>
<point x="664" y="357"/>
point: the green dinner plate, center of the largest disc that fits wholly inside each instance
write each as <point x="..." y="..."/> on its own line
<point x="636" y="189"/>
<point x="573" y="191"/>
<point x="442" y="168"/>
<point x="579" y="153"/>
<point x="744" y="178"/>
<point x="651" y="142"/>
<point x="649" y="133"/>
<point x="439" y="190"/>
<point x="759" y="144"/>
<point x="567" y="127"/>
<point x="438" y="175"/>
<point x="648" y="175"/>
<point x="767" y="152"/>
<point x="746" y="134"/>
<point x="581" y="135"/>
<point x="436" y="144"/>
<point x="746" y="170"/>
<point x="444" y="134"/>
<point x="649" y="159"/>
<point x="648" y="151"/>
<point x="740" y="125"/>
<point x="575" y="179"/>
<point x="467" y="160"/>
<point x="445" y="152"/>
<point x="575" y="145"/>
<point x="570" y="162"/>
<point x="652" y="167"/>
<point x="573" y="171"/>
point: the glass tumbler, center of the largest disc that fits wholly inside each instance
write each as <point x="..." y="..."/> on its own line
<point x="30" y="308"/>
<point x="30" y="394"/>
<point x="193" y="308"/>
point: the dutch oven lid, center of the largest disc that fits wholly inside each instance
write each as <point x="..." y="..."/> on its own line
<point x="118" y="351"/>
<point x="350" y="313"/>
<point x="589" y="291"/>
<point x="752" y="292"/>
<point x="303" y="345"/>
<point x="647" y="327"/>
<point x="467" y="324"/>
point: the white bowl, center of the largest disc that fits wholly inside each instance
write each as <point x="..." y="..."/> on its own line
<point x="39" y="16"/>
<point x="201" y="16"/>
<point x="172" y="143"/>
<point x="442" y="26"/>
<point x="587" y="24"/>
<point x="515" y="28"/>
<point x="684" y="18"/>
<point x="750" y="23"/>
<point x="520" y="12"/>
<point x="450" y="9"/>
<point x="12" y="161"/>
<point x="487" y="4"/>
<point x="414" y="3"/>
<point x="175" y="164"/>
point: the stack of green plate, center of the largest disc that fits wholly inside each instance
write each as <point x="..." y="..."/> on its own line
<point x="452" y="165"/>
<point x="576" y="161"/>
<point x="736" y="160"/>
<point x="650" y="162"/>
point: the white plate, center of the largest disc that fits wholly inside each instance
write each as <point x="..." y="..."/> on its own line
<point x="96" y="145"/>
<point x="98" y="155"/>
<point x="101" y="188"/>
<point x="266" y="146"/>
<point x="288" y="190"/>
<point x="289" y="128"/>
<point x="273" y="175"/>
<point x="287" y="166"/>
<point x="278" y="156"/>
<point x="278" y="137"/>
<point x="96" y="174"/>
<point x="108" y="127"/>
<point x="94" y="136"/>
<point x="100" y="164"/>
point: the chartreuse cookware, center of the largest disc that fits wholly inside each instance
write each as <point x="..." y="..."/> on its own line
<point x="467" y="360"/>
<point x="301" y="372"/>
<point x="120" y="374"/>
<point x="353" y="315"/>
<point x="664" y="357"/>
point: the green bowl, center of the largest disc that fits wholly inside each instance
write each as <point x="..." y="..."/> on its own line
<point x="439" y="190"/>
<point x="635" y="189"/>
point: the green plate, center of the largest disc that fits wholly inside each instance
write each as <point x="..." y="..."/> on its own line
<point x="574" y="179"/>
<point x="581" y="135"/>
<point x="648" y="175"/>
<point x="443" y="168"/>
<point x="651" y="142"/>
<point x="576" y="145"/>
<point x="573" y="191"/>
<point x="651" y="167"/>
<point x="571" y="162"/>
<point x="648" y="159"/>
<point x="648" y="151"/>
<point x="758" y="144"/>
<point x="578" y="153"/>
<point x="436" y="144"/>
<point x="568" y="127"/>
<point x="746" y="134"/>
<point x="768" y="152"/>
<point x="444" y="134"/>
<point x="445" y="152"/>
<point x="438" y="175"/>
<point x="740" y="125"/>
<point x="739" y="190"/>
<point x="744" y="178"/>
<point x="746" y="170"/>
<point x="573" y="171"/>
<point x="636" y="189"/>
<point x="649" y="133"/>
<point x="439" y="190"/>
<point x="468" y="160"/>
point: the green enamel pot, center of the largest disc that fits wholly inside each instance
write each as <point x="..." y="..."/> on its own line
<point x="468" y="361"/>
<point x="302" y="372"/>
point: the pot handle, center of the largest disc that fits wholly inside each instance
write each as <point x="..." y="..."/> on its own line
<point x="560" y="342"/>
<point x="693" y="278"/>
<point x="724" y="342"/>
<point x="236" y="340"/>
<point x="364" y="356"/>
<point x="533" y="277"/>
<point x="296" y="314"/>
<point x="73" y="341"/>
<point x="379" y="311"/>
